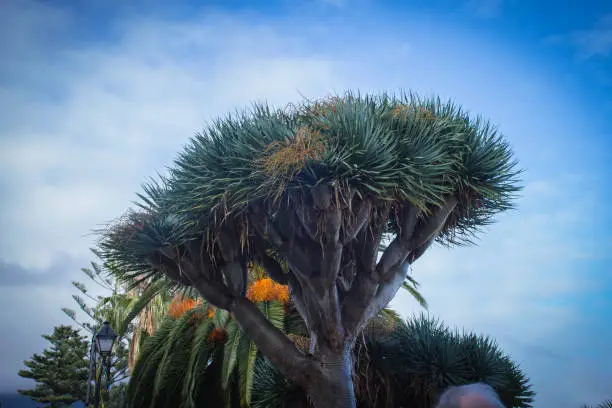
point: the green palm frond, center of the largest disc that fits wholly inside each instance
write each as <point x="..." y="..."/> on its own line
<point x="411" y="286"/>
<point x="231" y="347"/>
<point x="201" y="350"/>
<point x="247" y="357"/>
<point x="139" y="392"/>
<point x="171" y="370"/>
<point x="247" y="353"/>
<point x="221" y="318"/>
<point x="144" y="300"/>
<point x="274" y="312"/>
<point x="294" y="323"/>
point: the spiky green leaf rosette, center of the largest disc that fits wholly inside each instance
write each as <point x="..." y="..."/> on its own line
<point x="392" y="150"/>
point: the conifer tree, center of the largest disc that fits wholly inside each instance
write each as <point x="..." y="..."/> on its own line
<point x="61" y="371"/>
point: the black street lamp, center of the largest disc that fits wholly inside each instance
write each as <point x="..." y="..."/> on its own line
<point x="105" y="339"/>
<point x="101" y="346"/>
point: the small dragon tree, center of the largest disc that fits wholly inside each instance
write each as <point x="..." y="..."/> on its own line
<point x="309" y="193"/>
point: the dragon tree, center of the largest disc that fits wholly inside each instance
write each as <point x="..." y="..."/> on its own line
<point x="335" y="198"/>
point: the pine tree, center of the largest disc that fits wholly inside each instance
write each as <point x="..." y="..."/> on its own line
<point x="61" y="371"/>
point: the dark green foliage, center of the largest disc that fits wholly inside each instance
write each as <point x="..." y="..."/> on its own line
<point x="117" y="397"/>
<point x="397" y="363"/>
<point x="272" y="390"/>
<point x="424" y="357"/>
<point x="182" y="364"/>
<point x="61" y="371"/>
<point x="390" y="149"/>
<point x="411" y="365"/>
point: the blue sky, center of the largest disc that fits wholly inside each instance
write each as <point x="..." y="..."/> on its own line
<point x="96" y="96"/>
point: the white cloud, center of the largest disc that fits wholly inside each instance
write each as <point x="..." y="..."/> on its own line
<point x="126" y="111"/>
<point x="116" y="112"/>
<point x="595" y="41"/>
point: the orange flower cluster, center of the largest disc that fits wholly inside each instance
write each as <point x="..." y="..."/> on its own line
<point x="210" y="312"/>
<point x="266" y="289"/>
<point x="180" y="305"/>
<point x="217" y="335"/>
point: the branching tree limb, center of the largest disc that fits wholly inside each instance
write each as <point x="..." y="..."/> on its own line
<point x="373" y="294"/>
<point x="400" y="247"/>
<point x="272" y="342"/>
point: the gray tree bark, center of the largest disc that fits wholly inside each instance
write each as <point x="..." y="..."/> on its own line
<point x="336" y="284"/>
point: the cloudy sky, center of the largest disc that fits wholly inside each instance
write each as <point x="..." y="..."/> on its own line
<point x="96" y="96"/>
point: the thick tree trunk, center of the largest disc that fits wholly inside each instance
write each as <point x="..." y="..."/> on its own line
<point x="333" y="387"/>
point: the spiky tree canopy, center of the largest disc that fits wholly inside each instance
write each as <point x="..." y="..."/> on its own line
<point x="308" y="192"/>
<point x="393" y="151"/>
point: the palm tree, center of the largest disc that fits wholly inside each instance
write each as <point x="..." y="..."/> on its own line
<point x="199" y="351"/>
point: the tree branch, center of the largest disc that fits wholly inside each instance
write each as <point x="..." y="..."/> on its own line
<point x="347" y="273"/>
<point x="370" y="296"/>
<point x="385" y="292"/>
<point x="214" y="292"/>
<point x="309" y="229"/>
<point x="264" y="227"/>
<point x="421" y="240"/>
<point x="273" y="269"/>
<point x="200" y="278"/>
<point x="432" y="225"/>
<point x="332" y="249"/>
<point x="168" y="267"/>
<point x="297" y="296"/>
<point x="416" y="254"/>
<point x="272" y="342"/>
<point x="396" y="252"/>
<point x="362" y="213"/>
<point x="270" y="265"/>
<point x="235" y="276"/>
<point x="269" y="340"/>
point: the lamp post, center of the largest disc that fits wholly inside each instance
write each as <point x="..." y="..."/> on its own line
<point x="102" y="346"/>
